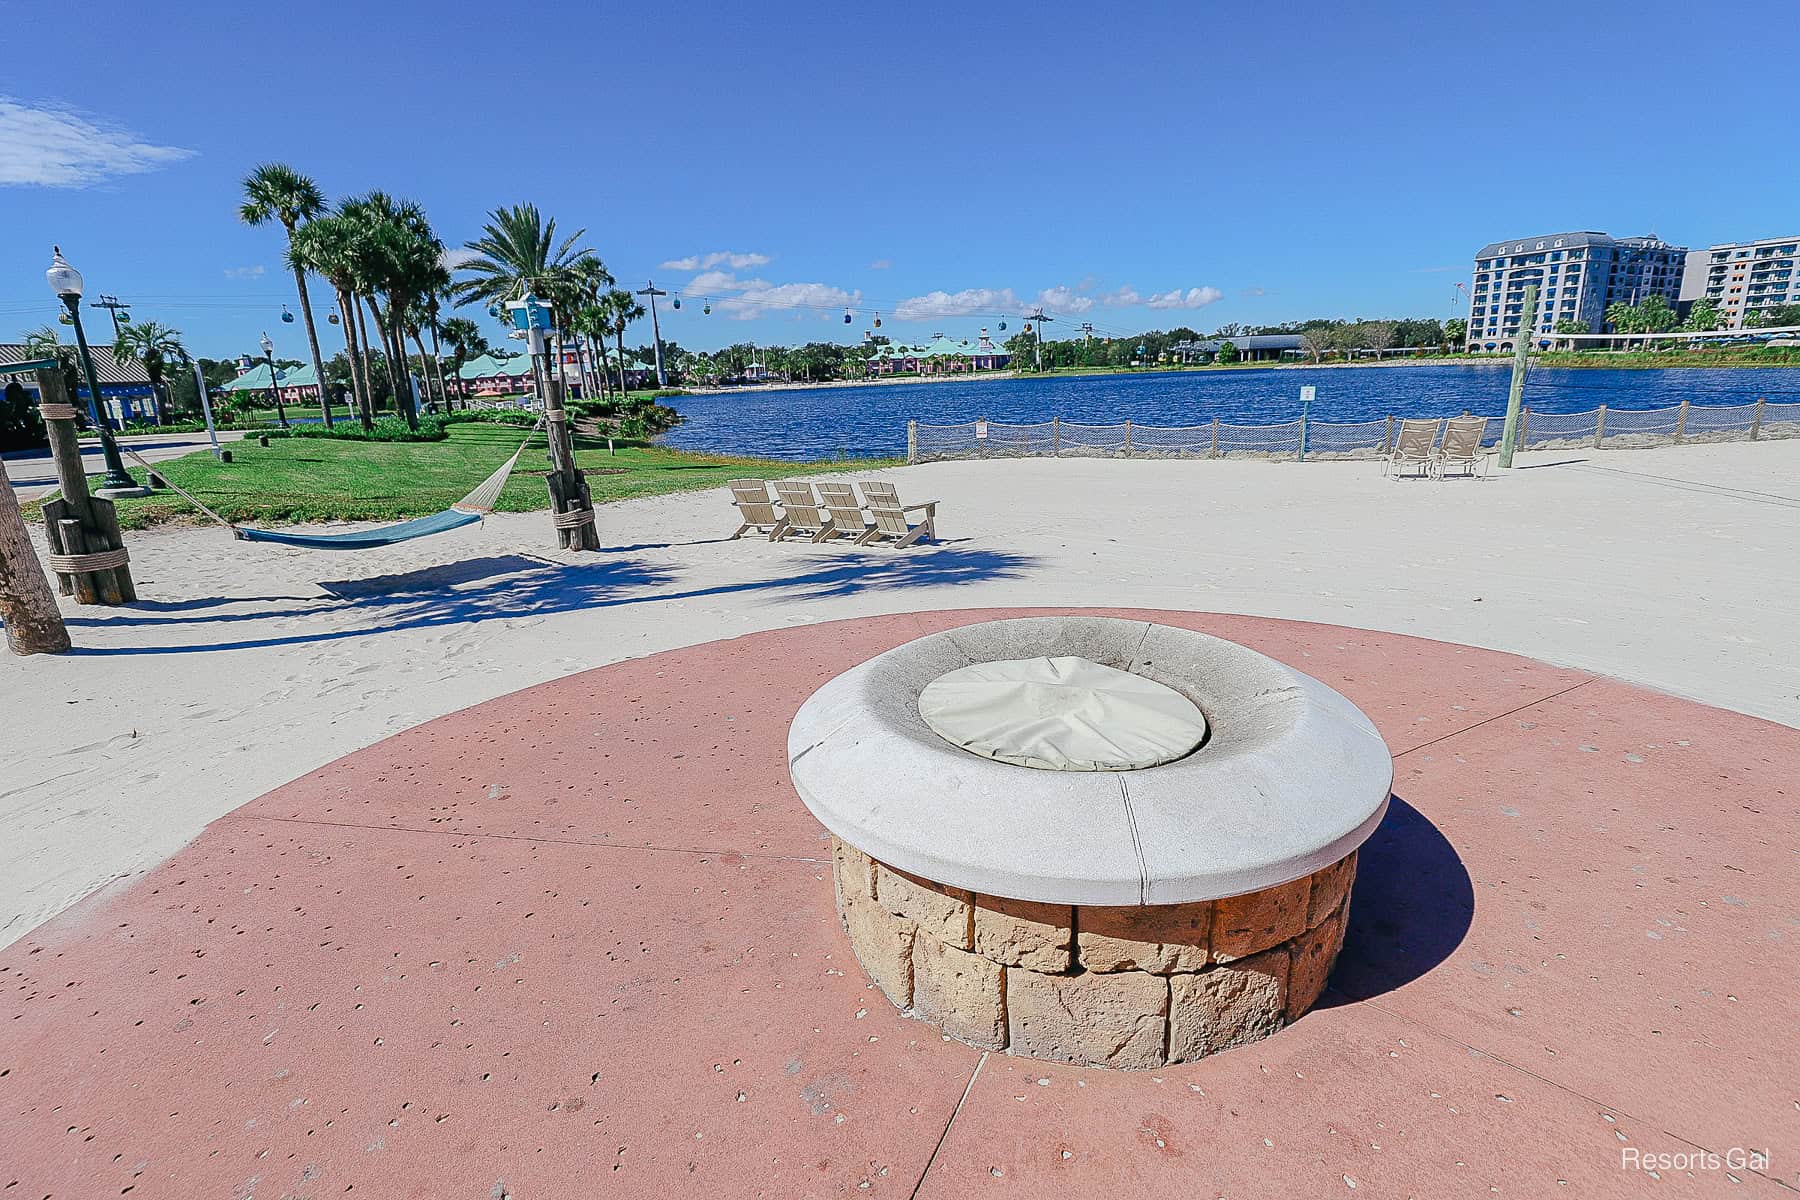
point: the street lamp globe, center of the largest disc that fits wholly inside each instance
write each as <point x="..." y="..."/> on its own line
<point x="64" y="280"/>
<point x="268" y="347"/>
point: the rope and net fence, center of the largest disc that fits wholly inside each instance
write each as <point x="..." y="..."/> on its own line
<point x="1599" y="428"/>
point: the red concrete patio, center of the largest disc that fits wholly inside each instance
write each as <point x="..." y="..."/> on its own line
<point x="580" y="941"/>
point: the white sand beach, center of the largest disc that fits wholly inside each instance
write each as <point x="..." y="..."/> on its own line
<point x="248" y="665"/>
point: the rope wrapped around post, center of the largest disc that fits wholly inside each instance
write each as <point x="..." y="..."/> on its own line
<point x="80" y="564"/>
<point x="575" y="518"/>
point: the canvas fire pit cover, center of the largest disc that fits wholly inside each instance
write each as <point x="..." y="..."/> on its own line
<point x="1062" y="714"/>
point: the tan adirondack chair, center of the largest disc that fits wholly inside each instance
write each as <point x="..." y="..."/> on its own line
<point x="801" y="509"/>
<point x="1413" y="448"/>
<point x="845" y="511"/>
<point x="890" y="516"/>
<point x="1462" y="448"/>
<point x="751" y="497"/>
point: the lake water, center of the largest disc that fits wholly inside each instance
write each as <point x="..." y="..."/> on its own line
<point x="815" y="423"/>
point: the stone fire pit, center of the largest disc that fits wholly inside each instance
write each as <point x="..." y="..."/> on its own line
<point x="1091" y="840"/>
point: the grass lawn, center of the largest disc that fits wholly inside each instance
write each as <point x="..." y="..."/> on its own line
<point x="316" y="479"/>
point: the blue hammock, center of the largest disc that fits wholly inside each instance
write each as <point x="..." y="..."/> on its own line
<point x="363" y="539"/>
<point x="466" y="511"/>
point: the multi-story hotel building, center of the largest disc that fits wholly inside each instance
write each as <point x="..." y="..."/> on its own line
<point x="1746" y="278"/>
<point x="1578" y="276"/>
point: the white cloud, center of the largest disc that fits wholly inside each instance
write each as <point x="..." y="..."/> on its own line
<point x="881" y="264"/>
<point x="958" y="304"/>
<point x="1123" y="296"/>
<point x="1198" y="297"/>
<point x="718" y="281"/>
<point x="1064" y="300"/>
<point x="759" y="298"/>
<point x="455" y="258"/>
<point x="705" y="262"/>
<point x="255" y="272"/>
<point x="1251" y="293"/>
<point x="51" y="145"/>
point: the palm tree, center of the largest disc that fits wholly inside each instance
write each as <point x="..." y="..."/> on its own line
<point x="591" y="324"/>
<point x="621" y="309"/>
<point x="591" y="278"/>
<point x="154" y="346"/>
<point x="397" y="256"/>
<point x="277" y="192"/>
<point x="326" y="245"/>
<point x="438" y="285"/>
<point x="44" y="342"/>
<point x="465" y="340"/>
<point x="517" y="253"/>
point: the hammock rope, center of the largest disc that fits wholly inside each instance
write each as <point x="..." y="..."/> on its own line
<point x="471" y="508"/>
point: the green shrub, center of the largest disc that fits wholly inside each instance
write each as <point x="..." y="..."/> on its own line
<point x="387" y="429"/>
<point x="523" y="418"/>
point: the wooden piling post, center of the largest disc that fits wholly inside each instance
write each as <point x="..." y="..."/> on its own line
<point x="1215" y="438"/>
<point x="571" y="504"/>
<point x="79" y="524"/>
<point x="1681" y="422"/>
<point x="1599" y="425"/>
<point x="1524" y="423"/>
<point x="1056" y="437"/>
<point x="1756" y="421"/>
<point x="1515" y="392"/>
<point x="34" y="625"/>
<point x="1387" y="441"/>
<point x="68" y="541"/>
<point x="1127" y="436"/>
<point x="912" y="442"/>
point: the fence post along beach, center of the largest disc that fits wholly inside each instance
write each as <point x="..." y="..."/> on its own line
<point x="1305" y="439"/>
<point x="1515" y="392"/>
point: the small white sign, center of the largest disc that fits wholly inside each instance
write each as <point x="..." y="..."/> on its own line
<point x="1307" y="393"/>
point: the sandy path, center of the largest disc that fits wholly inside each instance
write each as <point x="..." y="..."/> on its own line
<point x="34" y="475"/>
<point x="249" y="665"/>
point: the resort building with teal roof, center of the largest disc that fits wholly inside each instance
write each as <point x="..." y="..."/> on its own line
<point x="939" y="355"/>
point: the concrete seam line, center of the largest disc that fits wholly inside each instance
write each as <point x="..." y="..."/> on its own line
<point x="1137" y="841"/>
<point x="1546" y="1080"/>
<point x="1489" y="720"/>
<point x="954" y="1113"/>
<point x="519" y="837"/>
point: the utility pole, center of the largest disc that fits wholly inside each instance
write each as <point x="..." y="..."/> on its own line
<point x="1087" y="333"/>
<point x="1515" y="394"/>
<point x="1038" y="330"/>
<point x="117" y="309"/>
<point x="113" y="305"/>
<point x="651" y="290"/>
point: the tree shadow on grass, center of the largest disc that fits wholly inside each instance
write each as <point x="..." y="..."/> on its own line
<point x="1410" y="908"/>
<point x="513" y="586"/>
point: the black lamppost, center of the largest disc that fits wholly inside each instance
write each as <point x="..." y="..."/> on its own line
<point x="268" y="349"/>
<point x="65" y="281"/>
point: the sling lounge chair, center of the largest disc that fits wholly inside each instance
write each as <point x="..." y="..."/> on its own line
<point x="845" y="511"/>
<point x="890" y="516"/>
<point x="751" y="496"/>
<point x="1462" y="448"/>
<point x="1413" y="448"/>
<point x="800" y="508"/>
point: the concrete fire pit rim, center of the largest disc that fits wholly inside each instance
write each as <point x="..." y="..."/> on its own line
<point x="1292" y="777"/>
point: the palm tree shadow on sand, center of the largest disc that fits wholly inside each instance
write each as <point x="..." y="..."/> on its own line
<point x="514" y="586"/>
<point x="1410" y="908"/>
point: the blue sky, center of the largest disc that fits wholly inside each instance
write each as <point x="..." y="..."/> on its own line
<point x="1133" y="166"/>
